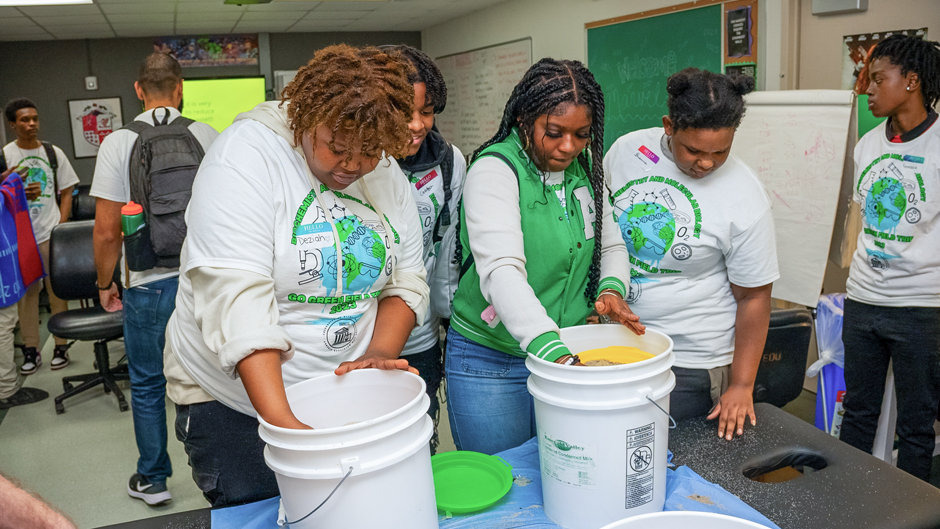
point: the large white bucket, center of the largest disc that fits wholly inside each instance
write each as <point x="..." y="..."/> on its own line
<point x="684" y="520"/>
<point x="371" y="421"/>
<point x="602" y="442"/>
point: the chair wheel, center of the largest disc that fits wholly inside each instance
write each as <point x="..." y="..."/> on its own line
<point x="123" y="406"/>
<point x="59" y="409"/>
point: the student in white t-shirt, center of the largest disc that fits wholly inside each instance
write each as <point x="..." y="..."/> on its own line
<point x="699" y="229"/>
<point x="436" y="171"/>
<point x="303" y="258"/>
<point x="892" y="313"/>
<point x="30" y="156"/>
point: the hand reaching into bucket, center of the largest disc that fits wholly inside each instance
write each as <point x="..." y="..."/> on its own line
<point x="610" y="304"/>
<point x="375" y="361"/>
<point x="393" y="324"/>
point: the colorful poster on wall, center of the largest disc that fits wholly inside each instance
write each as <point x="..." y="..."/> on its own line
<point x="218" y="50"/>
<point x="855" y="49"/>
<point x="92" y="120"/>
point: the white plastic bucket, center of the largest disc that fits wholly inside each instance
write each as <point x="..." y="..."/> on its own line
<point x="372" y="421"/>
<point x="684" y="520"/>
<point x="602" y="442"/>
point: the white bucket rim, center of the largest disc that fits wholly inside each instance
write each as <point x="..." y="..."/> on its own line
<point x="269" y="439"/>
<point x="653" y="516"/>
<point x="317" y="432"/>
<point x="666" y="358"/>
<point x="653" y="394"/>
<point x="365" y="467"/>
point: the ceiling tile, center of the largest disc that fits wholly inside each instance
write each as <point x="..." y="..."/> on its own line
<point x="78" y="29"/>
<point x="60" y="11"/>
<point x="262" y="27"/>
<point x="44" y="36"/>
<point x="335" y="15"/>
<point x="324" y="25"/>
<point x="6" y="12"/>
<point x="24" y="30"/>
<point x="142" y="19"/>
<point x="218" y="7"/>
<point x="85" y="35"/>
<point x="134" y="9"/>
<point x="256" y="16"/>
<point x="77" y="20"/>
<point x="158" y="28"/>
<point x="346" y="6"/>
<point x="284" y="6"/>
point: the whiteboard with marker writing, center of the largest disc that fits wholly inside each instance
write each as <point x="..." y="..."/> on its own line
<point x="800" y="144"/>
<point x="479" y="83"/>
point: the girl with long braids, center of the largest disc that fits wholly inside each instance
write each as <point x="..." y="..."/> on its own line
<point x="302" y="258"/>
<point x="536" y="253"/>
<point x="892" y="313"/>
<point x="435" y="171"/>
<point x="699" y="228"/>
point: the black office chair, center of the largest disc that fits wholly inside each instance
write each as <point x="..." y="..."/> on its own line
<point x="73" y="276"/>
<point x="783" y="364"/>
<point x="83" y="204"/>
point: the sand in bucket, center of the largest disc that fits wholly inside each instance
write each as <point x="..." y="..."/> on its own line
<point x="613" y="355"/>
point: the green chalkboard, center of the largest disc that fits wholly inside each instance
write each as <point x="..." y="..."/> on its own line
<point x="632" y="61"/>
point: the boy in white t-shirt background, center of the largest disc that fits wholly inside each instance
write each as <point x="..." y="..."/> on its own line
<point x="892" y="313"/>
<point x="43" y="182"/>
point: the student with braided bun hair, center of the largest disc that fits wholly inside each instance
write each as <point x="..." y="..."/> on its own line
<point x="537" y="252"/>
<point x="892" y="313"/>
<point x="699" y="228"/>
<point x="302" y="258"/>
<point x="435" y="170"/>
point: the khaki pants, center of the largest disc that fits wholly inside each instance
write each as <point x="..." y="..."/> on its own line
<point x="10" y="381"/>
<point x="29" y="305"/>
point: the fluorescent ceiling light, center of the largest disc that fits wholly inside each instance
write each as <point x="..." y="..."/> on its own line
<point x="21" y="3"/>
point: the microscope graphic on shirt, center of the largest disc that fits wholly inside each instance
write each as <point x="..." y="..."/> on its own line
<point x="311" y="266"/>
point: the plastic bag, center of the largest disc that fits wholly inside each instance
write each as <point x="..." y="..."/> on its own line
<point x="829" y="313"/>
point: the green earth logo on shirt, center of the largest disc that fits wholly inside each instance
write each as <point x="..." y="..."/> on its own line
<point x="363" y="256"/>
<point x="649" y="229"/>
<point x="885" y="204"/>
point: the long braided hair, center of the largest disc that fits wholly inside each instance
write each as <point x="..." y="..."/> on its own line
<point x="547" y="85"/>
<point x="916" y="55"/>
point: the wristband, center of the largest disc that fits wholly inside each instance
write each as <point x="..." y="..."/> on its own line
<point x="105" y="288"/>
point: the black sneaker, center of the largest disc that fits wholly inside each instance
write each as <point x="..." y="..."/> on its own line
<point x="31" y="361"/>
<point x="152" y="493"/>
<point x="23" y="396"/>
<point x="60" y="357"/>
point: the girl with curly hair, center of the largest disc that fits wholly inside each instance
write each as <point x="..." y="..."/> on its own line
<point x="698" y="225"/>
<point x="303" y="257"/>
<point x="537" y="253"/>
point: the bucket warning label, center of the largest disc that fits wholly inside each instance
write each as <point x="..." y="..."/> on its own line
<point x="568" y="463"/>
<point x="640" y="465"/>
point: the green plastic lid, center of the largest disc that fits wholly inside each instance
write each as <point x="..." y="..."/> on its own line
<point x="469" y="481"/>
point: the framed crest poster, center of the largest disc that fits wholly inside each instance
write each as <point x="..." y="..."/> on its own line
<point x="92" y="120"/>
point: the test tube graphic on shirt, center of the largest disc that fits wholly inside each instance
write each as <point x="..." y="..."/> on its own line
<point x="681" y="217"/>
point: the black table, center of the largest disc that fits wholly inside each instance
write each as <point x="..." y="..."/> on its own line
<point x="854" y="491"/>
<point x="851" y="489"/>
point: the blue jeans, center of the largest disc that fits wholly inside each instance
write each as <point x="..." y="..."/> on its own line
<point x="489" y="405"/>
<point x="429" y="364"/>
<point x="910" y="337"/>
<point x="147" y="309"/>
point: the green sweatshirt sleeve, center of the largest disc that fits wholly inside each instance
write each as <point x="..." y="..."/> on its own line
<point x="548" y="346"/>
<point x="612" y="283"/>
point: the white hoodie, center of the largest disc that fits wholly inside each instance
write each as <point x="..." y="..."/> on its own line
<point x="259" y="264"/>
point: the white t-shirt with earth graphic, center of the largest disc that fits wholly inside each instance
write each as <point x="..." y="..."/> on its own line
<point x="44" y="211"/>
<point x="689" y="240"/>
<point x="897" y="262"/>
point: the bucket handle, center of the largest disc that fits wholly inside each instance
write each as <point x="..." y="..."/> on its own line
<point x="672" y="422"/>
<point x="287" y="524"/>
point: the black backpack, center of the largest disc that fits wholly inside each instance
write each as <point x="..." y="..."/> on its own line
<point x="53" y="163"/>
<point x="163" y="165"/>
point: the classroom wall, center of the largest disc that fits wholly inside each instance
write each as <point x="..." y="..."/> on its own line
<point x="51" y="73"/>
<point x="820" y="54"/>
<point x="557" y="30"/>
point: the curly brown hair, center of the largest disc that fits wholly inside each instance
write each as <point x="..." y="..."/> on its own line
<point x="362" y="94"/>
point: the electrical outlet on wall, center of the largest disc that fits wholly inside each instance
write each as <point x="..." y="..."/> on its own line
<point x="91" y="83"/>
